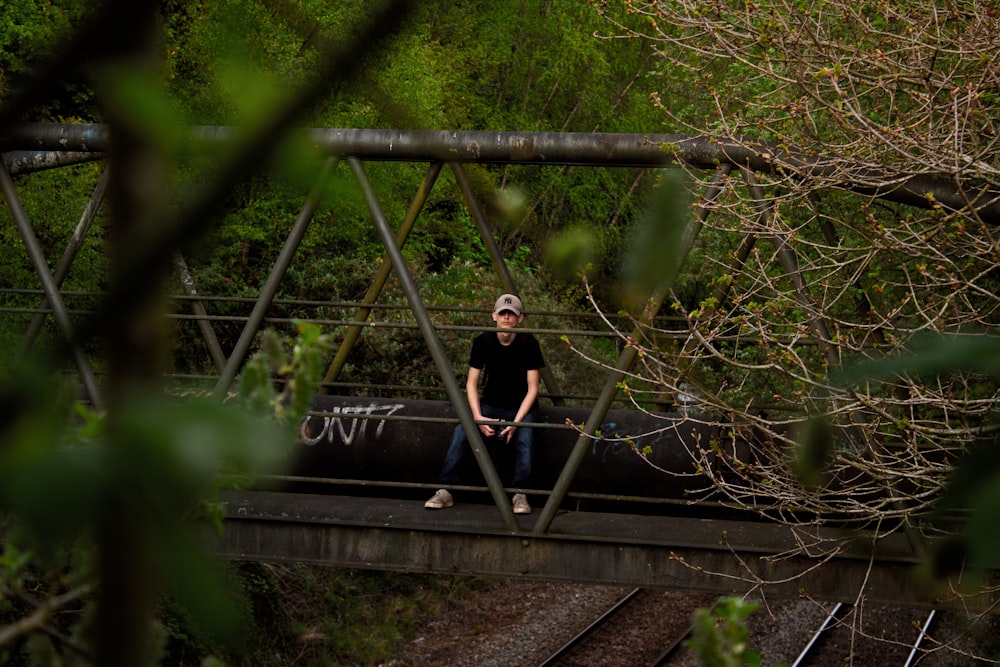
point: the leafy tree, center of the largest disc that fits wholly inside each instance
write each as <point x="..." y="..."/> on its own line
<point x="530" y="65"/>
<point x="856" y="211"/>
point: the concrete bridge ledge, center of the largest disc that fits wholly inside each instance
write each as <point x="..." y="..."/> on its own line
<point x="723" y="557"/>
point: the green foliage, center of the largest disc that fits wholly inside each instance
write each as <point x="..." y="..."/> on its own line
<point x="479" y="66"/>
<point x="932" y="356"/>
<point x="52" y="201"/>
<point x="814" y="452"/>
<point x="720" y="637"/>
<point x="313" y="614"/>
<point x="153" y="463"/>
<point x="297" y="365"/>
<point x="658" y="246"/>
<point x="484" y="65"/>
<point x="165" y="458"/>
<point x="571" y="252"/>
<point x="28" y="31"/>
<point x="319" y="615"/>
<point x="539" y="61"/>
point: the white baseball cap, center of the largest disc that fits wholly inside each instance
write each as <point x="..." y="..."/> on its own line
<point x="508" y="302"/>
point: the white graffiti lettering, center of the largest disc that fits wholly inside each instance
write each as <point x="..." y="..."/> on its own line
<point x="349" y="421"/>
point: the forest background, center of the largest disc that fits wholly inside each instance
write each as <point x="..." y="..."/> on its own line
<point x="527" y="66"/>
<point x="883" y="271"/>
<point x="524" y="66"/>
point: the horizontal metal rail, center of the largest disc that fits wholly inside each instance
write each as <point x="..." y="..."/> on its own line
<point x="677" y="334"/>
<point x="556" y="149"/>
<point x="680" y="503"/>
<point x="346" y="305"/>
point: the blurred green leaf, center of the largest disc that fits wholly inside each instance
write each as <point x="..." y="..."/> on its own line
<point x="179" y="448"/>
<point x="198" y="582"/>
<point x="48" y="474"/>
<point x="814" y="451"/>
<point x="140" y="99"/>
<point x="929" y="355"/>
<point x="571" y="252"/>
<point x="658" y="244"/>
<point x="973" y="490"/>
<point x="720" y="637"/>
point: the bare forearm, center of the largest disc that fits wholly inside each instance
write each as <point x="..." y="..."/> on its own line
<point x="526" y="404"/>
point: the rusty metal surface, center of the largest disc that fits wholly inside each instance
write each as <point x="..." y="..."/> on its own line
<point x="25" y="162"/>
<point x="723" y="557"/>
<point x="554" y="148"/>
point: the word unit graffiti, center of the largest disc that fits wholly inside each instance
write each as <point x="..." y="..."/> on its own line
<point x="350" y="422"/>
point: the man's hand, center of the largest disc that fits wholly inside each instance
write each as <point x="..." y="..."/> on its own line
<point x="487" y="430"/>
<point x="507" y="433"/>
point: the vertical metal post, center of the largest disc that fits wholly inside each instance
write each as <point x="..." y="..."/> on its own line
<point x="242" y="346"/>
<point x="381" y="276"/>
<point x="739" y="257"/>
<point x="72" y="248"/>
<point x="455" y="394"/>
<point x="207" y="332"/>
<point x="49" y="286"/>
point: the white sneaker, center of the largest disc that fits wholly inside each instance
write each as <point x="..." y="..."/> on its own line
<point x="521" y="505"/>
<point x="440" y="500"/>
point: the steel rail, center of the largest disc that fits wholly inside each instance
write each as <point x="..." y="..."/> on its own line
<point x="590" y="315"/>
<point x="681" y="503"/>
<point x="395" y="389"/>
<point x="626" y="358"/>
<point x="381" y="275"/>
<point x="911" y="658"/>
<point x="583" y="634"/>
<point x="26" y="162"/>
<point x="826" y="625"/>
<point x="270" y="289"/>
<point x="66" y="261"/>
<point x="672" y="648"/>
<point x="374" y="324"/>
<point x="199" y="314"/>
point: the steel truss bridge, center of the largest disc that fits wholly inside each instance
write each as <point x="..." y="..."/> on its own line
<point x="385" y="531"/>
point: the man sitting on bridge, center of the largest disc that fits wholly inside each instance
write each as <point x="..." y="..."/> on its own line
<point x="510" y="362"/>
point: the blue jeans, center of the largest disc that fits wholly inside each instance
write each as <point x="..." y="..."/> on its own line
<point x="460" y="454"/>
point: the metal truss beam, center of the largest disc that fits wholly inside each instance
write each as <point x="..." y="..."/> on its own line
<point x="559" y="148"/>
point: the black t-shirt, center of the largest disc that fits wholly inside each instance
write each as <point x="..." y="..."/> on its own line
<point x="505" y="367"/>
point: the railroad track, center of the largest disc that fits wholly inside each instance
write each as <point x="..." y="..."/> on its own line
<point x="878" y="637"/>
<point x="615" y="637"/>
<point x="843" y="638"/>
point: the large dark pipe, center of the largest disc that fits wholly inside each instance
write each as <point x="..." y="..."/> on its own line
<point x="404" y="441"/>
